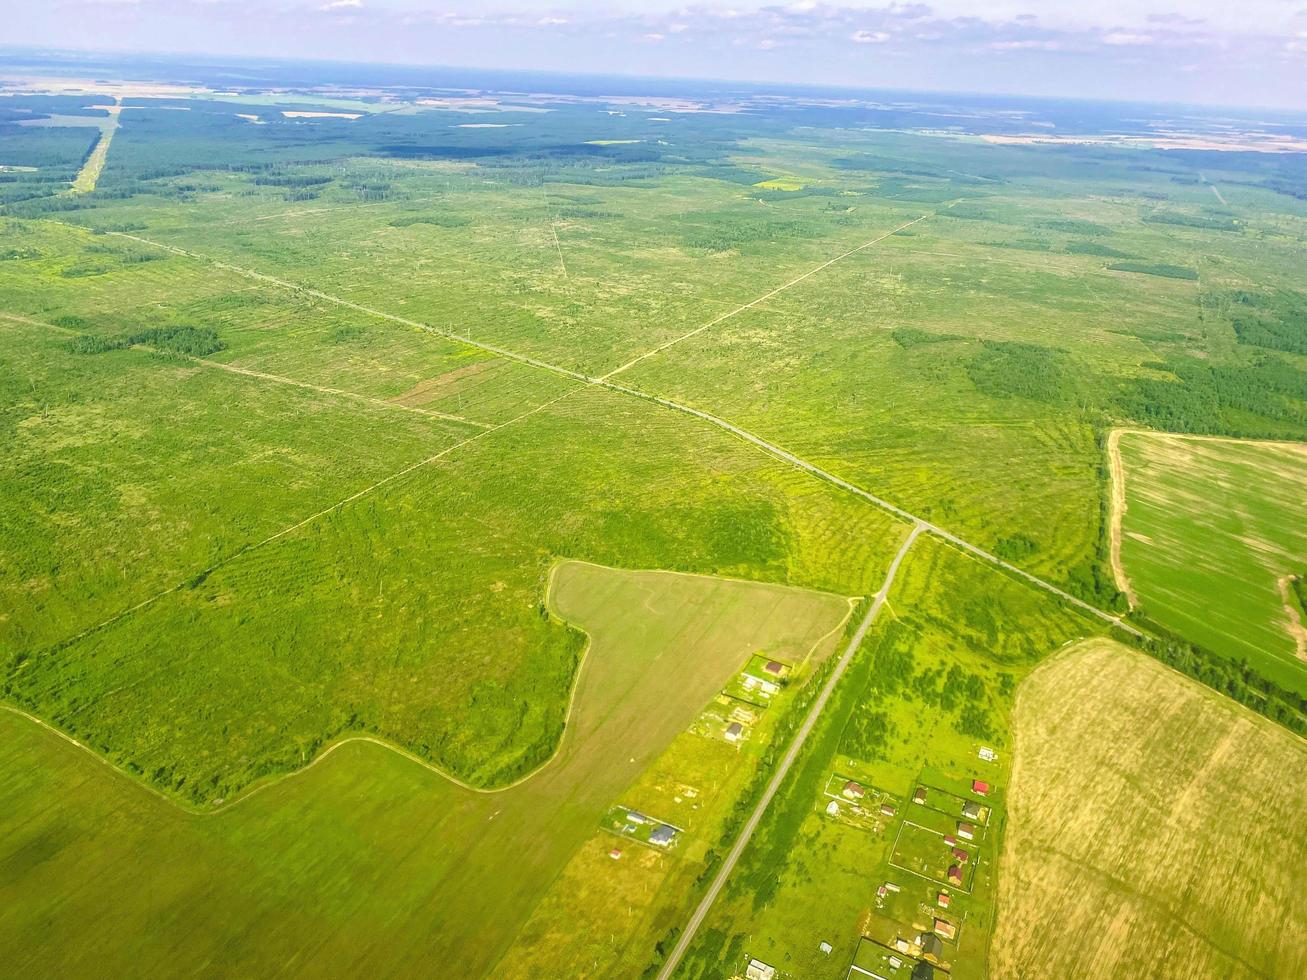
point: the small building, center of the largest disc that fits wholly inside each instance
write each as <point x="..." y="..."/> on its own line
<point x="833" y="808"/>
<point x="966" y="831"/>
<point x="751" y="682"/>
<point x="919" y="795"/>
<point x="954" y="875"/>
<point x="902" y="945"/>
<point x="943" y="900"/>
<point x="636" y="817"/>
<point x="887" y="810"/>
<point x="960" y="856"/>
<point x="987" y="754"/>
<point x="882" y="891"/>
<point x="923" y="971"/>
<point x="758" y="970"/>
<point x="663" y="835"/>
<point x="931" y="946"/>
<point x="950" y="840"/>
<point x="825" y="947"/>
<point x="775" y="668"/>
<point x="945" y="928"/>
<point x="893" y="886"/>
<point x="980" y="787"/>
<point x="895" y="962"/>
<point x="971" y="810"/>
<point x="734" y="732"/>
<point x="854" y="791"/>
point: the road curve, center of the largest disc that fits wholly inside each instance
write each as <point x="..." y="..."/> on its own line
<point x="783" y="768"/>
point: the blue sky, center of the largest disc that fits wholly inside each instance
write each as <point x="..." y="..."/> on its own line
<point x="1253" y="52"/>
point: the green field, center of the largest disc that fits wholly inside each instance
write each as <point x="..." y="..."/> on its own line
<point x="1212" y="534"/>
<point x="1128" y="787"/>
<point x="368" y="858"/>
<point x="300" y="414"/>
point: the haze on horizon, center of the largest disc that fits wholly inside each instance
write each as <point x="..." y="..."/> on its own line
<point x="1198" y="51"/>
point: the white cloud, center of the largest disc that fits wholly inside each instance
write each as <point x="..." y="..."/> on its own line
<point x="1027" y="45"/>
<point x="1126" y="38"/>
<point x="868" y="37"/>
<point x="655" y="38"/>
<point x="342" y="5"/>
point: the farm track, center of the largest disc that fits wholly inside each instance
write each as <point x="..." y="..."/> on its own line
<point x="589" y="382"/>
<point x="787" y="761"/>
<point x="274" y="378"/>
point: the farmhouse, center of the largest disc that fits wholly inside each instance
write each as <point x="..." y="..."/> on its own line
<point x="750" y="683"/>
<point x="662" y="835"/>
<point x="966" y="831"/>
<point x="960" y="856"/>
<point x="971" y="810"/>
<point x="887" y="810"/>
<point x="919" y="795"/>
<point x="943" y="900"/>
<point x="758" y="970"/>
<point x="950" y="840"/>
<point x="775" y="668"/>
<point x="980" y="787"/>
<point x="853" y="791"/>
<point x="954" y="875"/>
<point x="931" y="946"/>
<point x="945" y="928"/>
<point x="734" y="732"/>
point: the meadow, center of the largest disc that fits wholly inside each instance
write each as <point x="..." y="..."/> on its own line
<point x="302" y="410"/>
<point x="307" y="870"/>
<point x="933" y="684"/>
<point x="1212" y="537"/>
<point x="1119" y="856"/>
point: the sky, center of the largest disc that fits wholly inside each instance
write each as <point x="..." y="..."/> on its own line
<point x="1250" y="52"/>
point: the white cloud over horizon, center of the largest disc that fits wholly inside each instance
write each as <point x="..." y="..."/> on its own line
<point x="1187" y="50"/>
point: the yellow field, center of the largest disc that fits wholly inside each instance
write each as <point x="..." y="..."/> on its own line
<point x="1155" y="829"/>
<point x="781" y="184"/>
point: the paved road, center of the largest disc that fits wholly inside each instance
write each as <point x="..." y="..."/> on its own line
<point x="782" y="770"/>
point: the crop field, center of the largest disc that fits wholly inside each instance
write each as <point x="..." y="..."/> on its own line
<point x="1213" y="535"/>
<point x="336" y="415"/>
<point x="933" y="685"/>
<point x="306" y="870"/>
<point x="1150" y="822"/>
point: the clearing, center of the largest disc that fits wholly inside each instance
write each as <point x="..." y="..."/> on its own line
<point x="1154" y="827"/>
<point x="1210" y="528"/>
<point x="368" y="862"/>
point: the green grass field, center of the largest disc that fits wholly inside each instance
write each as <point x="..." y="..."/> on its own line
<point x="299" y="413"/>
<point x="1211" y="532"/>
<point x="367" y="858"/>
<point x="1121" y="854"/>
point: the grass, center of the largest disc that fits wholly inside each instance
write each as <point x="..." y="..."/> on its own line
<point x="1210" y="528"/>
<point x="1127" y="783"/>
<point x="368" y="858"/>
<point x="932" y="684"/>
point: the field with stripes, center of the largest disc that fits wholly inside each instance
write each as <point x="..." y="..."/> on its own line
<point x="314" y="426"/>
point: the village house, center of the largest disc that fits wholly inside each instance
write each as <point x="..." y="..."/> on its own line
<point x="775" y="668"/>
<point x="954" y="875"/>
<point x="734" y="732"/>
<point x="971" y="810"/>
<point x="662" y="835"/>
<point x="966" y="831"/>
<point x="758" y="970"/>
<point x="980" y="787"/>
<point x="943" y="900"/>
<point x="919" y="795"/>
<point x="853" y="791"/>
<point x="960" y="856"/>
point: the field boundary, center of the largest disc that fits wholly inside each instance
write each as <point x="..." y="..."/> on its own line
<point x="267" y="782"/>
<point x="783" y="767"/>
<point x="590" y="382"/>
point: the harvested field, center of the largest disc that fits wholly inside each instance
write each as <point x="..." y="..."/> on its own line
<point x="1154" y="829"/>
